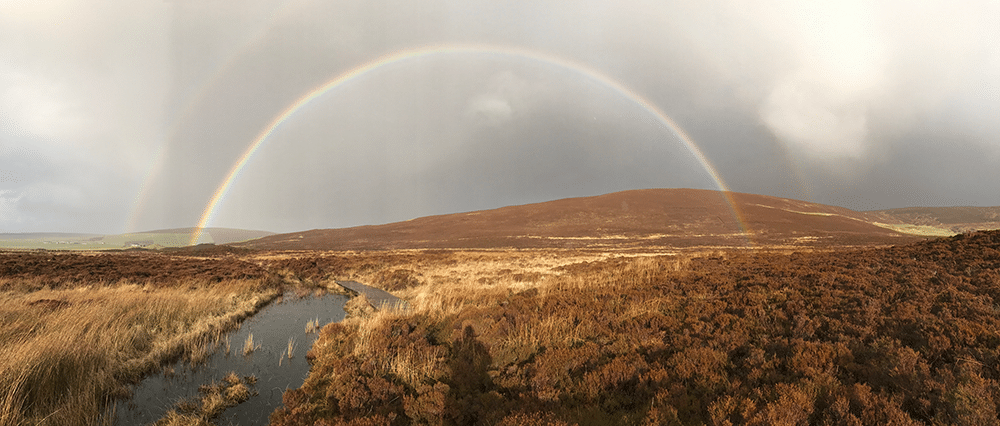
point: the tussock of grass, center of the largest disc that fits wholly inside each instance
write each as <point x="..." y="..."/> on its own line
<point x="214" y="400"/>
<point x="66" y="354"/>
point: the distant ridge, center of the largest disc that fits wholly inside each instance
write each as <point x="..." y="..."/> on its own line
<point x="160" y="238"/>
<point x="218" y="235"/>
<point x="947" y="219"/>
<point x="637" y="218"/>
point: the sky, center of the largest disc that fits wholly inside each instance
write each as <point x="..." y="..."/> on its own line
<point x="130" y="115"/>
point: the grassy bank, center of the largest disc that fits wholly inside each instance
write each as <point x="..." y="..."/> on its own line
<point x="67" y="352"/>
<point x="905" y="335"/>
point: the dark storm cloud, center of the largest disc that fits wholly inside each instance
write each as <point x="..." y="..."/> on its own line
<point x="860" y="104"/>
<point x="39" y="190"/>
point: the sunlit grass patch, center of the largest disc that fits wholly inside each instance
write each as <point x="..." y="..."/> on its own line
<point x="66" y="354"/>
<point x="312" y="326"/>
<point x="921" y="230"/>
<point x="248" y="346"/>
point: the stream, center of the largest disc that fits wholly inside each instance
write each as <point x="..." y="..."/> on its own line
<point x="272" y="327"/>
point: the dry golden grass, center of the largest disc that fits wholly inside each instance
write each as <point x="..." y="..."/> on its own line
<point x="23" y="285"/>
<point x="445" y="283"/>
<point x="312" y="326"/>
<point x="487" y="277"/>
<point x="66" y="354"/>
<point x="248" y="346"/>
<point x="482" y="279"/>
<point x="449" y="289"/>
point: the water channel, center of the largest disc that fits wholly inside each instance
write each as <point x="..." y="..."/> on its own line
<point x="272" y="327"/>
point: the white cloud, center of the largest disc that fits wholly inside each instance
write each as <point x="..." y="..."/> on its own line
<point x="820" y="106"/>
<point x="34" y="106"/>
<point x="816" y="119"/>
<point x="856" y="65"/>
<point x="491" y="110"/>
<point x="10" y="217"/>
<point x="506" y="95"/>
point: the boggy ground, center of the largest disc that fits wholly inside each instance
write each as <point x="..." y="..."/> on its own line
<point x="904" y="335"/>
<point x="76" y="329"/>
<point x="901" y="335"/>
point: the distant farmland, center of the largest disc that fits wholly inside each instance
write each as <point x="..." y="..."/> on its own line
<point x="151" y="239"/>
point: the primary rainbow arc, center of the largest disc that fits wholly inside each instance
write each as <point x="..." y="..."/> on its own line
<point x="453" y="49"/>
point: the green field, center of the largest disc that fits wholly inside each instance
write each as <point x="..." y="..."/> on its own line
<point x="151" y="239"/>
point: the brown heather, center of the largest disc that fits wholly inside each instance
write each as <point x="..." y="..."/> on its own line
<point x="69" y="348"/>
<point x="902" y="335"/>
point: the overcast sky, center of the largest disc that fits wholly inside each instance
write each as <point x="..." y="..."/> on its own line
<point x="127" y="115"/>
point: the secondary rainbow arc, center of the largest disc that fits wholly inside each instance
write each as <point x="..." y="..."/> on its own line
<point x="453" y="49"/>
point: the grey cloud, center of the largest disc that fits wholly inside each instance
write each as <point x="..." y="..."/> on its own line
<point x="151" y="103"/>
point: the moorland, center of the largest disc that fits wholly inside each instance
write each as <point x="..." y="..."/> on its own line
<point x="900" y="335"/>
<point x="825" y="319"/>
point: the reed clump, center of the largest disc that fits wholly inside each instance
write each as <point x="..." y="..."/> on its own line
<point x="214" y="399"/>
<point x="248" y="345"/>
<point x="67" y="353"/>
<point x="312" y="326"/>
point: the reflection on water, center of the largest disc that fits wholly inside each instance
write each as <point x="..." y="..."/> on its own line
<point x="272" y="329"/>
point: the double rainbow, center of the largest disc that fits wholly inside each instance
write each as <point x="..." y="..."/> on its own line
<point x="462" y="49"/>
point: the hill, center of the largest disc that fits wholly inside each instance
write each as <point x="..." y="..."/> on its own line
<point x="938" y="220"/>
<point x="650" y="217"/>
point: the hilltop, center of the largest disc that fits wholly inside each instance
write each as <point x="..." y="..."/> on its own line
<point x="637" y="218"/>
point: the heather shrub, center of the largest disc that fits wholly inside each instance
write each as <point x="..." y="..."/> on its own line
<point x="900" y="335"/>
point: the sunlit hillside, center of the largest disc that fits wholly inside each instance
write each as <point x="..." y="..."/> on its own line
<point x="629" y="219"/>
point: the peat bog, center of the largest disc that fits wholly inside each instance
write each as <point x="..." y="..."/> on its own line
<point x="280" y="338"/>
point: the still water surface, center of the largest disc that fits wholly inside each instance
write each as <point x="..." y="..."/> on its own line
<point x="271" y="327"/>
